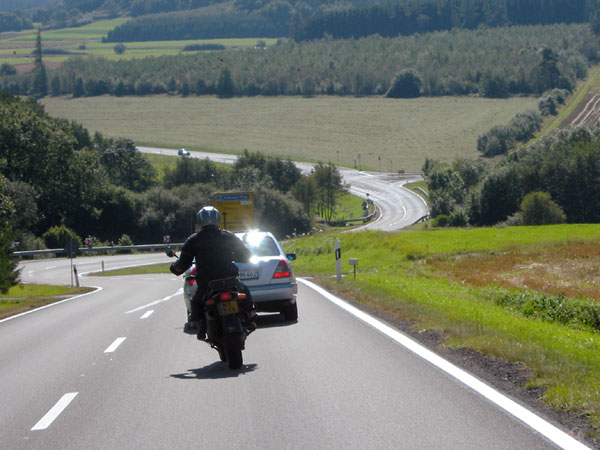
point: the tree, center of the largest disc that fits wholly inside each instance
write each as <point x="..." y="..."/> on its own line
<point x="119" y="48"/>
<point x="40" y="78"/>
<point x="306" y="192"/>
<point x="407" y="84"/>
<point x="329" y="185"/>
<point x="548" y="75"/>
<point x="7" y="69"/>
<point x="126" y="166"/>
<point x="190" y="171"/>
<point x="225" y="87"/>
<point x="279" y="213"/>
<point x="8" y="265"/>
<point x="537" y="208"/>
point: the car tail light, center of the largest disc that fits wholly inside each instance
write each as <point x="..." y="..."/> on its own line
<point x="282" y="270"/>
<point x="224" y="296"/>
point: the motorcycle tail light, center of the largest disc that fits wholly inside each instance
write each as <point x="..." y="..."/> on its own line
<point x="191" y="281"/>
<point x="282" y="270"/>
<point x="224" y="296"/>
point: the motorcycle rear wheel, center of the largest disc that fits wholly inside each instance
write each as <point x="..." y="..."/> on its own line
<point x="233" y="350"/>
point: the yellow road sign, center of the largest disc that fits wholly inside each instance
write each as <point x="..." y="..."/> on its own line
<point x="237" y="210"/>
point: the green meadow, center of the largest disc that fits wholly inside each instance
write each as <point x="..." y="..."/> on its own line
<point x="388" y="134"/>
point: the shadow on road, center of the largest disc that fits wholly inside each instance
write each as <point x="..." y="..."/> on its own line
<point x="262" y="321"/>
<point x="273" y="320"/>
<point x="214" y="371"/>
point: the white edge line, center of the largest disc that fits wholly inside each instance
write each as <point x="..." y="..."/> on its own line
<point x="97" y="289"/>
<point x="147" y="314"/>
<point x="534" y="421"/>
<point x="54" y="412"/>
<point x="169" y="297"/>
<point x="112" y="347"/>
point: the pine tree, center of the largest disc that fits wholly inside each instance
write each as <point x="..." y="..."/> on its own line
<point x="40" y="78"/>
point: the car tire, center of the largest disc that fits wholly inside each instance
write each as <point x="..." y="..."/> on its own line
<point x="290" y="312"/>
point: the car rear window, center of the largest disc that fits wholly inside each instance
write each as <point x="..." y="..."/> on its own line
<point x="261" y="247"/>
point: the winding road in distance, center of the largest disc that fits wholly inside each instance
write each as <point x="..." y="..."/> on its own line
<point x="399" y="206"/>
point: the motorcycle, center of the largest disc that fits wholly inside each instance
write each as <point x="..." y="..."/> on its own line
<point x="223" y="311"/>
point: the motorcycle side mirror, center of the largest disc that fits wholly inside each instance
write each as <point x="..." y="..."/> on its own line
<point x="170" y="252"/>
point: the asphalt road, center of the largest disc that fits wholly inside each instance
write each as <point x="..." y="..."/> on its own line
<point x="399" y="206"/>
<point x="115" y="370"/>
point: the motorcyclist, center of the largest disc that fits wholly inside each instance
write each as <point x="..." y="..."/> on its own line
<point x="214" y="251"/>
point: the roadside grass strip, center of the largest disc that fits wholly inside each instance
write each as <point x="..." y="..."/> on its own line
<point x="95" y="289"/>
<point x="540" y="425"/>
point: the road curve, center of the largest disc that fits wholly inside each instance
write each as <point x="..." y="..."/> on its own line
<point x="399" y="207"/>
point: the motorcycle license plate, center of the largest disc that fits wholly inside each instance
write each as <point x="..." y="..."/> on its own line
<point x="248" y="274"/>
<point x="226" y="308"/>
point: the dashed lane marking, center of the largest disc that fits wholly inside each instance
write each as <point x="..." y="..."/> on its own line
<point x="112" y="347"/>
<point x="147" y="314"/>
<point x="54" y="412"/>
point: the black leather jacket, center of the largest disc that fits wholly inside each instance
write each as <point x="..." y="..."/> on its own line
<point x="214" y="251"/>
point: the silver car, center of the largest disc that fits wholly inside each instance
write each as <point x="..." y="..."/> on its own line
<point x="268" y="275"/>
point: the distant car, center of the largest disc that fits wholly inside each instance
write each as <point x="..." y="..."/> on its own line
<point x="183" y="152"/>
<point x="268" y="275"/>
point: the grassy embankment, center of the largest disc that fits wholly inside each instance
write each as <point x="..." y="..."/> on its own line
<point x="335" y="129"/>
<point x="522" y="294"/>
<point x="23" y="297"/>
<point x="16" y="47"/>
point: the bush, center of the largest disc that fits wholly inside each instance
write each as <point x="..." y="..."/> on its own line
<point x="119" y="49"/>
<point x="125" y="240"/>
<point x="497" y="141"/>
<point x="59" y="237"/>
<point x="538" y="209"/>
<point x="442" y="220"/>
<point x="407" y="84"/>
<point x="547" y="106"/>
<point x="7" y="69"/>
<point x="459" y="219"/>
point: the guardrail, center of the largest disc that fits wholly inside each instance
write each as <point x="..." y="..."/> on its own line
<point x="110" y="248"/>
<point x="361" y="219"/>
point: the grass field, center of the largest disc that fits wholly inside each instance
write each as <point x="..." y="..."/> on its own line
<point x="16" y="48"/>
<point x="511" y="293"/>
<point x="388" y="134"/>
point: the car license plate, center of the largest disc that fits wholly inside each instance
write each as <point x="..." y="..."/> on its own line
<point x="248" y="274"/>
<point x="226" y="308"/>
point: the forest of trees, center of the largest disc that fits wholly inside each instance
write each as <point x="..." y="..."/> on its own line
<point x="422" y="16"/>
<point x="563" y="166"/>
<point x="492" y="62"/>
<point x="199" y="25"/>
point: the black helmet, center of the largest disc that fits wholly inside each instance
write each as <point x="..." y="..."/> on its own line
<point x="208" y="217"/>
